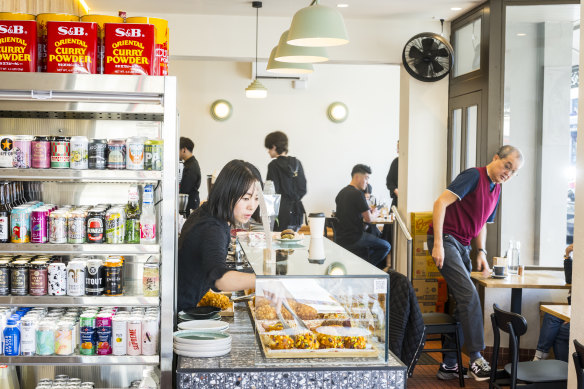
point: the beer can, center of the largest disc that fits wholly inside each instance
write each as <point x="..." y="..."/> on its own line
<point x="60" y="158"/>
<point x="58" y="229"/>
<point x="20" y="225"/>
<point x="19" y="277"/>
<point x="114" y="280"/>
<point x="134" y="336"/>
<point x="27" y="336"/>
<point x="115" y="225"/>
<point x="39" y="225"/>
<point x="6" y="150"/>
<point x="153" y="154"/>
<point x="150" y="335"/>
<point x="76" y="277"/>
<point x="119" y="335"/>
<point x="57" y="273"/>
<point x="95" y="226"/>
<point x="104" y="333"/>
<point x="22" y="151"/>
<point x="97" y="154"/>
<point x="135" y="153"/>
<point x="41" y="152"/>
<point x="64" y="338"/>
<point x="88" y="334"/>
<point x="76" y="227"/>
<point x="79" y="152"/>
<point x="116" y="154"/>
<point x="45" y="338"/>
<point x="94" y="279"/>
<point x="38" y="278"/>
<point x="4" y="278"/>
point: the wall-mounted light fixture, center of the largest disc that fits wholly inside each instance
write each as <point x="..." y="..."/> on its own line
<point x="221" y="110"/>
<point x="337" y="112"/>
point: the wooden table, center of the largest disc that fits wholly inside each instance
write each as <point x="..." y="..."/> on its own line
<point x="562" y="311"/>
<point x="531" y="279"/>
<point x="381" y="220"/>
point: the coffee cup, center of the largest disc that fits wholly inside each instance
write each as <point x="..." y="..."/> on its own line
<point x="499" y="271"/>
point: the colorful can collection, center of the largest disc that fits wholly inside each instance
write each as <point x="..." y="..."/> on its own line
<point x="92" y="44"/>
<point x="90" y="331"/>
<point x="64" y="381"/>
<point x="79" y="152"/>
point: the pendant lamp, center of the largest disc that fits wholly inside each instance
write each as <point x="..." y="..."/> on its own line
<point x="299" y="54"/>
<point x="318" y="26"/>
<point x="286" y="67"/>
<point x="256" y="90"/>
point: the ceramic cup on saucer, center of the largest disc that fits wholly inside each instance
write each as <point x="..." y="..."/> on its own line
<point x="499" y="271"/>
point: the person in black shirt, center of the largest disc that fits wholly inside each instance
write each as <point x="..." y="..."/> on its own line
<point x="352" y="210"/>
<point x="205" y="237"/>
<point x="391" y="180"/>
<point x="191" y="177"/>
<point x="288" y="176"/>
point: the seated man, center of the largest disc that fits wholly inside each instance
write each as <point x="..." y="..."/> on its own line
<point x="352" y="211"/>
<point x="554" y="332"/>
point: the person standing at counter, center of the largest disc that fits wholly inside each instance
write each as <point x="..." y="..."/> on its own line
<point x="288" y="176"/>
<point x="205" y="237"/>
<point x="461" y="214"/>
<point x="191" y="176"/>
<point x="391" y="179"/>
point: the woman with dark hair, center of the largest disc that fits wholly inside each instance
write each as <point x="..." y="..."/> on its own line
<point x="205" y="237"/>
<point x="287" y="174"/>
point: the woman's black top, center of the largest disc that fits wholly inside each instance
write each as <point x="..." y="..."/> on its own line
<point x="287" y="174"/>
<point x="202" y="250"/>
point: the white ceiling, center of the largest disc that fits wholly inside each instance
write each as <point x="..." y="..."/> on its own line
<point x="403" y="9"/>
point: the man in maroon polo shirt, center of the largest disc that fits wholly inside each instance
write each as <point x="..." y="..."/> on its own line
<point x="460" y="215"/>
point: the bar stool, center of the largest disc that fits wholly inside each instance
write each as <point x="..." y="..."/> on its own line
<point x="578" y="356"/>
<point x="444" y="325"/>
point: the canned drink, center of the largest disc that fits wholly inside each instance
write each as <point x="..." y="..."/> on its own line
<point x="79" y="154"/>
<point x="42" y="20"/>
<point x="104" y="333"/>
<point x="101" y="20"/>
<point x="116" y="154"/>
<point x="39" y="225"/>
<point x="115" y="225"/>
<point x="114" y="281"/>
<point x="119" y="334"/>
<point x="151" y="280"/>
<point x="76" y="227"/>
<point x="88" y="334"/>
<point x="38" y="278"/>
<point x="134" y="336"/>
<point x="153" y="154"/>
<point x="27" y="336"/>
<point x="45" y="338"/>
<point x="64" y="338"/>
<point x="19" y="277"/>
<point x="97" y="155"/>
<point x="95" y="226"/>
<point x="20" y="225"/>
<point x="60" y="158"/>
<point x="4" y="278"/>
<point x="6" y="150"/>
<point x="58" y="229"/>
<point x="22" y="151"/>
<point x="76" y="278"/>
<point x="135" y="153"/>
<point x="150" y="334"/>
<point x="57" y="273"/>
<point x="41" y="152"/>
<point x="94" y="278"/>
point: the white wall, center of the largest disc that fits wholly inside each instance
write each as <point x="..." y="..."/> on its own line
<point x="328" y="151"/>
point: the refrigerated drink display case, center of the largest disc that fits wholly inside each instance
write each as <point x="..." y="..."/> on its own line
<point x="88" y="281"/>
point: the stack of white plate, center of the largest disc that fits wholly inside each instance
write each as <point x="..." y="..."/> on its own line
<point x="197" y="344"/>
<point x="204" y="325"/>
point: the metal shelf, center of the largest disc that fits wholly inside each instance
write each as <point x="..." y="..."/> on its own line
<point x="87" y="248"/>
<point x="82" y="360"/>
<point x="81" y="175"/>
<point x="69" y="301"/>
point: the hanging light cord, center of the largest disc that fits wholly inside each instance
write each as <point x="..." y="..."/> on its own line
<point x="257" y="23"/>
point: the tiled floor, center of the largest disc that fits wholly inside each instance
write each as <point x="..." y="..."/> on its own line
<point x="425" y="375"/>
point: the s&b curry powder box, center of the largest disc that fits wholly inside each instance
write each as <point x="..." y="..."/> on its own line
<point x="72" y="47"/>
<point x="18" y="46"/>
<point x="129" y="49"/>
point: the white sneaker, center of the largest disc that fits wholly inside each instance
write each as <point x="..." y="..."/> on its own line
<point x="540" y="355"/>
<point x="480" y="369"/>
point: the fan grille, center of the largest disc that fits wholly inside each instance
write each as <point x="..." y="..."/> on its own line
<point x="427" y="57"/>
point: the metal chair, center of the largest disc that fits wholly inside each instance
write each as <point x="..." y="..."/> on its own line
<point x="444" y="325"/>
<point x="551" y="374"/>
<point x="578" y="356"/>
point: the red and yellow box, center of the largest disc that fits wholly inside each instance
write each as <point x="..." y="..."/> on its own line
<point x="16" y="16"/>
<point x="18" y="46"/>
<point x="420" y="222"/>
<point x="42" y="20"/>
<point x="161" y="42"/>
<point x="129" y="49"/>
<point x="101" y="20"/>
<point x="71" y="47"/>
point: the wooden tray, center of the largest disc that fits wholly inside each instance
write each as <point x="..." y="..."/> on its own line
<point x="319" y="353"/>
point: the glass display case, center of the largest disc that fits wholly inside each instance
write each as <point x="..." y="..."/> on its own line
<point x="332" y="308"/>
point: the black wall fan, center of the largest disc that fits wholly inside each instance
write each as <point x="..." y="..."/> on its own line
<point x="428" y="57"/>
